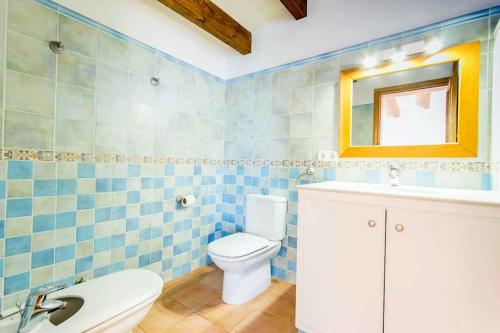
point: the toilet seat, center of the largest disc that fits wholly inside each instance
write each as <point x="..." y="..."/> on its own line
<point x="238" y="245"/>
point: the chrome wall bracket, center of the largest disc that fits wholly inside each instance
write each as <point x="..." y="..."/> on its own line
<point x="57" y="47"/>
<point x="155" y="81"/>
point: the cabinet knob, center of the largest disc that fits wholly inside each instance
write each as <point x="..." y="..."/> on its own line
<point x="372" y="223"/>
<point x="399" y="227"/>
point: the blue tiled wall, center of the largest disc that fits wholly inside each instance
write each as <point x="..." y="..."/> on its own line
<point x="96" y="154"/>
<point x="66" y="220"/>
<point x="279" y="118"/>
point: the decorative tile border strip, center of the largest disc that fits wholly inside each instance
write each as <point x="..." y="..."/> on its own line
<point x="74" y="157"/>
<point x="27" y="155"/>
<point x="412" y="165"/>
<point x="11" y="154"/>
<point x="424" y="165"/>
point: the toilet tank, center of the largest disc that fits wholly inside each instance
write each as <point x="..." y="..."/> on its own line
<point x="265" y="216"/>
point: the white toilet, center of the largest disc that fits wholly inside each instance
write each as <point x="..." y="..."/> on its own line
<point x="245" y="257"/>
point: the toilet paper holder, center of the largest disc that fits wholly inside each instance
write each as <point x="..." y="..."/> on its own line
<point x="185" y="200"/>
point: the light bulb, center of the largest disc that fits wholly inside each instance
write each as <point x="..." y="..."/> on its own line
<point x="433" y="46"/>
<point x="398" y="56"/>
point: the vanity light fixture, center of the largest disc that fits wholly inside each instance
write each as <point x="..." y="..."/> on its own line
<point x="399" y="56"/>
<point x="369" y="62"/>
<point x="433" y="46"/>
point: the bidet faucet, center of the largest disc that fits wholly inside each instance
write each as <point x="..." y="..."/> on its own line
<point x="37" y="304"/>
<point x="394" y="173"/>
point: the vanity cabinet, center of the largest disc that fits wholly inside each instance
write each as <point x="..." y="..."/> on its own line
<point x="371" y="262"/>
<point x="341" y="254"/>
<point x="442" y="272"/>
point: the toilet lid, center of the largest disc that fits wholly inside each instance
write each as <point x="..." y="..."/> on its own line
<point x="237" y="245"/>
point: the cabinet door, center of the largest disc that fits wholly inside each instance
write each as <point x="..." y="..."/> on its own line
<point x="442" y="273"/>
<point x="340" y="275"/>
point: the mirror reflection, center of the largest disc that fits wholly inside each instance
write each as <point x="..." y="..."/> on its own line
<point x="413" y="107"/>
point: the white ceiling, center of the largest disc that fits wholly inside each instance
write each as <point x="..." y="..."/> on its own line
<point x="277" y="37"/>
<point x="156" y="25"/>
<point x="335" y="24"/>
<point x="254" y="13"/>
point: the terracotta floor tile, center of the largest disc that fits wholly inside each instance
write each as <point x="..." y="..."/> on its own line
<point x="283" y="307"/>
<point x="196" y="295"/>
<point x="195" y="324"/>
<point x="171" y="287"/>
<point x="178" y="284"/>
<point x="278" y="284"/>
<point x="283" y="286"/>
<point x="164" y="313"/>
<point x="225" y="315"/>
<point x="214" y="279"/>
<point x="268" y="297"/>
<point x="292" y="289"/>
<point x="193" y="304"/>
<point x="262" y="322"/>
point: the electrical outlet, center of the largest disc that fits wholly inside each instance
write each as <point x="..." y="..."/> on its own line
<point x="327" y="155"/>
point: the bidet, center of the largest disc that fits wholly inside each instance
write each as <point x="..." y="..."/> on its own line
<point x="114" y="303"/>
<point x="37" y="305"/>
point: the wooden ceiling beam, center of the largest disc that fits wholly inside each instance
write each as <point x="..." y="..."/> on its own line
<point x="212" y="19"/>
<point x="298" y="8"/>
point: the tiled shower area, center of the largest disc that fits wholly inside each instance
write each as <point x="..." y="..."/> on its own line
<point x="94" y="154"/>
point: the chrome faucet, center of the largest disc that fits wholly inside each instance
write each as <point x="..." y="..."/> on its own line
<point x="394" y="168"/>
<point x="37" y="304"/>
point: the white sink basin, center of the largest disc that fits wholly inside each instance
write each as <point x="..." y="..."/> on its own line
<point x="434" y="193"/>
<point x="414" y="189"/>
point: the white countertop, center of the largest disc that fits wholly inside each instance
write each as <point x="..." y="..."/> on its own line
<point x="415" y="192"/>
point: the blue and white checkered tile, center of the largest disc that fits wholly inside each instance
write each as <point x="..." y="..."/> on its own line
<point x="66" y="221"/>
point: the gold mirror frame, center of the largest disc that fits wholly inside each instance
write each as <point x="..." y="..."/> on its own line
<point x="468" y="56"/>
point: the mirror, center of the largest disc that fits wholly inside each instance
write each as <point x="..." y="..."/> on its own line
<point x="425" y="106"/>
<point x="412" y="107"/>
